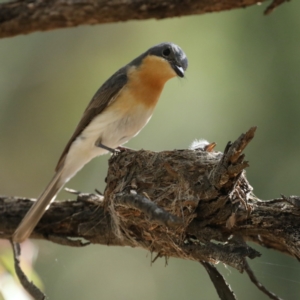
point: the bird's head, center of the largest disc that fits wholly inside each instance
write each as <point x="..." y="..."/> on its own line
<point x="163" y="61"/>
<point x="173" y="54"/>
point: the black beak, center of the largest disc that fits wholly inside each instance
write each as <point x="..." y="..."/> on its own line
<point x="179" y="70"/>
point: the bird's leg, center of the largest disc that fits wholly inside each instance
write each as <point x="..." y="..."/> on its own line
<point x="113" y="151"/>
<point x="106" y="148"/>
<point x="100" y="145"/>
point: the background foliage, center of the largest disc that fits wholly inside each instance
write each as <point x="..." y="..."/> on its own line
<point x="243" y="70"/>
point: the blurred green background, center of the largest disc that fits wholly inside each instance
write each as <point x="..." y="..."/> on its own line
<point x="244" y="70"/>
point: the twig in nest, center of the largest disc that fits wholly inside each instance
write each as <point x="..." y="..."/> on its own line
<point x="149" y="208"/>
<point x="231" y="163"/>
<point x="294" y="200"/>
<point x="257" y="283"/>
<point x="222" y="287"/>
<point x="33" y="290"/>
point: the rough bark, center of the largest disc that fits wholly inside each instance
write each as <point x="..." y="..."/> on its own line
<point x="26" y="16"/>
<point x="175" y="203"/>
<point x="194" y="204"/>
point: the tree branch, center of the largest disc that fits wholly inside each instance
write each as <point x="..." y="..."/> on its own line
<point x="222" y="287"/>
<point x="258" y="284"/>
<point x="198" y="189"/>
<point x="190" y="204"/>
<point x="26" y="16"/>
<point x="28" y="285"/>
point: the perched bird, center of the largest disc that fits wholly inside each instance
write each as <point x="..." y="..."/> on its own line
<point x="119" y="110"/>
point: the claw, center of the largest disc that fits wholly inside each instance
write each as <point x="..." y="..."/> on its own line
<point x="123" y="149"/>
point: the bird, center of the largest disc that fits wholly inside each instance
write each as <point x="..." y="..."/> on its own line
<point x="121" y="107"/>
<point x="203" y="145"/>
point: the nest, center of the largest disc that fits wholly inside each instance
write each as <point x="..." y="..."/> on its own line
<point x="171" y="184"/>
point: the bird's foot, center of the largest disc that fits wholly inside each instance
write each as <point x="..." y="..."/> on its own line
<point x="123" y="149"/>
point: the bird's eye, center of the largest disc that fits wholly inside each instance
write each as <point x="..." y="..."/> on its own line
<point x="166" y="52"/>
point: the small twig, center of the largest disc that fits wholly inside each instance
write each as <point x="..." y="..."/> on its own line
<point x="240" y="144"/>
<point x="258" y="284"/>
<point x="294" y="200"/>
<point x="232" y="162"/>
<point x="273" y="5"/>
<point x="222" y="287"/>
<point x="158" y="255"/>
<point x="149" y="208"/>
<point x="32" y="289"/>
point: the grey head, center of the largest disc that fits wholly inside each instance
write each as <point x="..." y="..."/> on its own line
<point x="171" y="53"/>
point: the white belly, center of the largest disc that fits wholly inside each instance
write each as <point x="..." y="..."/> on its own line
<point x="114" y="127"/>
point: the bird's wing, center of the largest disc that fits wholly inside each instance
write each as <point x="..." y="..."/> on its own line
<point x="106" y="94"/>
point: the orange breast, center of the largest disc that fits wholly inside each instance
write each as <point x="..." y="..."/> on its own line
<point x="146" y="82"/>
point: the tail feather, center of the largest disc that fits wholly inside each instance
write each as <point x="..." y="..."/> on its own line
<point x="38" y="208"/>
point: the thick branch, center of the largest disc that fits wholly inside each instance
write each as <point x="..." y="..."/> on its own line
<point x="86" y="218"/>
<point x="190" y="204"/>
<point x="26" y="16"/>
<point x="189" y="200"/>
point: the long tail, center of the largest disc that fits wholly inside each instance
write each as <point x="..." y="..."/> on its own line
<point x="38" y="208"/>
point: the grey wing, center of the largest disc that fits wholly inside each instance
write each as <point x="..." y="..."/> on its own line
<point x="103" y="97"/>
